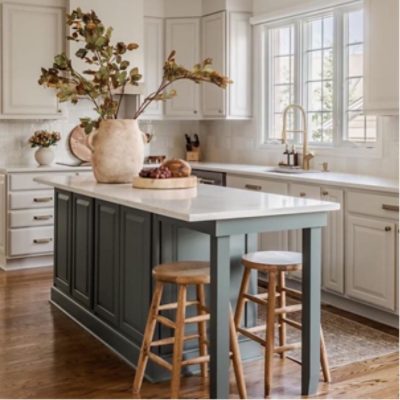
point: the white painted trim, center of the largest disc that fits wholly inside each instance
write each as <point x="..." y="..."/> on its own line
<point x="301" y="9"/>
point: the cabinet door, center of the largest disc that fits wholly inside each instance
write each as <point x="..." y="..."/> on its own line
<point x="240" y="71"/>
<point x="82" y="243"/>
<point x="106" y="262"/>
<point x="370" y="260"/>
<point x="381" y="78"/>
<point x="183" y="35"/>
<point x="332" y="244"/>
<point x="62" y="258"/>
<point x="153" y="61"/>
<point x="135" y="272"/>
<point x="214" y="47"/>
<point x="32" y="36"/>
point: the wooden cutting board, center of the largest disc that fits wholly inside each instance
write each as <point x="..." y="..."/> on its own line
<point x="170" y="183"/>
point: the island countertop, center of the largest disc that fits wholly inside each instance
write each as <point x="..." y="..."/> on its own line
<point x="204" y="203"/>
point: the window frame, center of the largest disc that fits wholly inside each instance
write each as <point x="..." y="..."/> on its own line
<point x="339" y="142"/>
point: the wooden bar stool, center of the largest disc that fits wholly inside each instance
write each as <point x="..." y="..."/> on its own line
<point x="183" y="274"/>
<point x="275" y="264"/>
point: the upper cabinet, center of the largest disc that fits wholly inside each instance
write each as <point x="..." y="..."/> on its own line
<point x="31" y="37"/>
<point x="153" y="62"/>
<point x="226" y="38"/>
<point x="381" y="83"/>
<point x="183" y="36"/>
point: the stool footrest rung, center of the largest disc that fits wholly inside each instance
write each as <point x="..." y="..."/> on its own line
<point x="197" y="318"/>
<point x="260" y="298"/>
<point x="287" y="347"/>
<point x="171" y="340"/>
<point x="251" y="336"/>
<point x="292" y="323"/>
<point x="196" y="360"/>
<point x="160" y="361"/>
<point x="288" y="309"/>
<point x="173" y="306"/>
<point x="293" y="293"/>
<point x="165" y="321"/>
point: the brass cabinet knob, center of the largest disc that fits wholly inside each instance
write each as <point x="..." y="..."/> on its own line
<point x="302" y="194"/>
<point x="388" y="228"/>
<point x="325" y="193"/>
<point x="194" y="111"/>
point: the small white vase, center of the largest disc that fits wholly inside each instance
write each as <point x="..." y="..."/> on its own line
<point x="44" y="155"/>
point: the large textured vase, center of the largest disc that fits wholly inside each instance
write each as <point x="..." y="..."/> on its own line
<point x="118" y="151"/>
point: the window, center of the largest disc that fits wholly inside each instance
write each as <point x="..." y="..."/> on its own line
<point x="317" y="61"/>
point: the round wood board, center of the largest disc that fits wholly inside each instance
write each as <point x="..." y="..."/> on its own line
<point x="170" y="183"/>
<point x="78" y="144"/>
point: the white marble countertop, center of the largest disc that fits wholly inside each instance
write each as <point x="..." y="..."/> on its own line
<point x="204" y="203"/>
<point x="319" y="178"/>
<point x="26" y="168"/>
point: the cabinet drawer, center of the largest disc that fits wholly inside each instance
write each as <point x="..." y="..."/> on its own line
<point x="307" y="191"/>
<point x="30" y="241"/>
<point x="373" y="204"/>
<point x="34" y="199"/>
<point x="259" y="185"/>
<point x="26" y="181"/>
<point x="27" y="218"/>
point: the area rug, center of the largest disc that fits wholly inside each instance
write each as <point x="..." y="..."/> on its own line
<point x="347" y="341"/>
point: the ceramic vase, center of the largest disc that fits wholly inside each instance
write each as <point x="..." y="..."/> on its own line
<point x="44" y="155"/>
<point x="118" y="150"/>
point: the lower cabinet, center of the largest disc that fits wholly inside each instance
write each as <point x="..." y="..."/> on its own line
<point x="370" y="260"/>
<point x="106" y="261"/>
<point x="63" y="236"/>
<point x="82" y="250"/>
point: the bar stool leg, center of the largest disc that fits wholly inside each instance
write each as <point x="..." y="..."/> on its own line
<point x="281" y="317"/>
<point x="147" y="337"/>
<point x="178" y="345"/>
<point x="324" y="358"/>
<point x="236" y="359"/>
<point x="241" y="300"/>
<point x="270" y="332"/>
<point x="202" y="328"/>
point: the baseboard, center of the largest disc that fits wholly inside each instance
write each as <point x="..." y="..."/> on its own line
<point x="15" y="264"/>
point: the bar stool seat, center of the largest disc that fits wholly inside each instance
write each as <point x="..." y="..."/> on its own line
<point x="182" y="274"/>
<point x="275" y="264"/>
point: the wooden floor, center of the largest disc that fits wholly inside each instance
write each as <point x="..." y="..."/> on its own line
<point x="44" y="354"/>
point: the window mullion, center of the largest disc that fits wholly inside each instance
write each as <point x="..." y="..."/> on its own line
<point x="340" y="116"/>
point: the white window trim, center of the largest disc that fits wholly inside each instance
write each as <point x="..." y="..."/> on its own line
<point x="339" y="147"/>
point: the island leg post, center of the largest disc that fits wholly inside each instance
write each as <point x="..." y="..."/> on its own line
<point x="219" y="322"/>
<point x="310" y="369"/>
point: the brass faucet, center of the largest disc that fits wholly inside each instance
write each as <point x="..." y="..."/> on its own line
<point x="307" y="155"/>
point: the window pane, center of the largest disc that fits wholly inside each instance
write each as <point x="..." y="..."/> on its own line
<point x="327" y="103"/>
<point x="328" y="32"/>
<point x="314" y="94"/>
<point x="355" y="60"/>
<point x="355" y="26"/>
<point x="283" y="69"/>
<point x="282" y="97"/>
<point x="355" y="93"/>
<point x="315" y="65"/>
<point x="315" y="127"/>
<point x="327" y="127"/>
<point x="315" y="34"/>
<point x="328" y="64"/>
<point x="284" y="40"/>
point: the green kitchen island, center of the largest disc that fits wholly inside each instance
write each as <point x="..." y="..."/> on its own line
<point x="109" y="237"/>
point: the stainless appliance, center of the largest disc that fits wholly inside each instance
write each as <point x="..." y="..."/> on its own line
<point x="210" y="177"/>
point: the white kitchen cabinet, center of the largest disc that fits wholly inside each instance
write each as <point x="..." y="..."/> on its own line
<point x="370" y="260"/>
<point x="333" y="243"/>
<point x="270" y="240"/>
<point x="31" y="36"/>
<point x="381" y="57"/>
<point x="183" y="36"/>
<point x="153" y="62"/>
<point x="226" y="38"/>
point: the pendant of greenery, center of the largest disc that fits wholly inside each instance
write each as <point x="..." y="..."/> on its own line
<point x="108" y="72"/>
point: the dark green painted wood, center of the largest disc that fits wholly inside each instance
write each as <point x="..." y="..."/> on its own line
<point x="135" y="272"/>
<point x="62" y="240"/>
<point x="106" y="261"/>
<point x="82" y="249"/>
<point x="311" y="282"/>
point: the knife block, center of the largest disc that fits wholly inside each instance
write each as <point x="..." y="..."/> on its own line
<point x="193" y="155"/>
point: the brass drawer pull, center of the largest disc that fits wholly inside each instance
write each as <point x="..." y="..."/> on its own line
<point x="207" y="181"/>
<point x="42" y="199"/>
<point x="325" y="193"/>
<point x="390" y="207"/>
<point x="42" y="217"/>
<point x="303" y="194"/>
<point x="253" y="187"/>
<point x="42" y="241"/>
<point x="388" y="228"/>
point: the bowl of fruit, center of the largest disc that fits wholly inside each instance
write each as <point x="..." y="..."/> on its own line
<point x="171" y="174"/>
